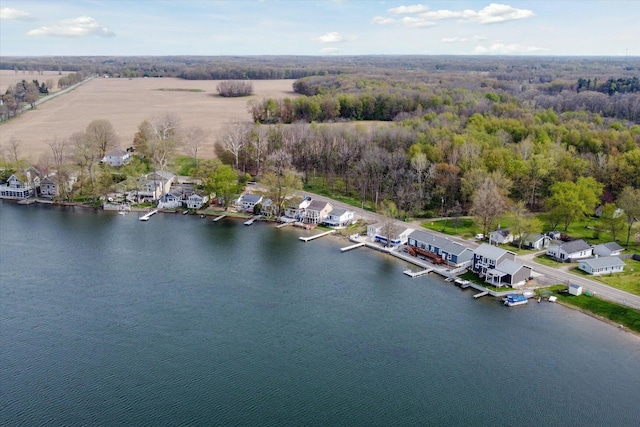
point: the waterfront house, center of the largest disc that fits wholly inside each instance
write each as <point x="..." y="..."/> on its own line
<point x="601" y="265"/>
<point x="399" y="235"/>
<point x="608" y="249"/>
<point x="197" y="200"/>
<point x="116" y="157"/>
<point x="536" y="241"/>
<point x="451" y="252"/>
<point x="570" y="251"/>
<point x="316" y="212"/>
<point x="501" y="236"/>
<point x="21" y="185"/>
<point x="487" y="257"/>
<point x="171" y="200"/>
<point x="508" y="273"/>
<point x="339" y="217"/>
<point x="267" y="208"/>
<point x="295" y="206"/>
<point x="248" y="201"/>
<point x="48" y="187"/>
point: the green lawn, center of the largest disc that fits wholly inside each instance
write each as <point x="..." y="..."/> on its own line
<point x="627" y="316"/>
<point x="464" y="227"/>
<point x="628" y="281"/>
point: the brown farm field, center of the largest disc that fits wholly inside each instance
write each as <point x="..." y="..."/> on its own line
<point x="126" y="103"/>
<point x="10" y="78"/>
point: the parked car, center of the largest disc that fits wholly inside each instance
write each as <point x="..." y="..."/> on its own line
<point x="479" y="236"/>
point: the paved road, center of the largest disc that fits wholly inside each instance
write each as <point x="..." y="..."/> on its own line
<point x="560" y="276"/>
<point x="56" y="94"/>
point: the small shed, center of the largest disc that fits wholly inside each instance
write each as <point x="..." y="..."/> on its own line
<point x="575" y="289"/>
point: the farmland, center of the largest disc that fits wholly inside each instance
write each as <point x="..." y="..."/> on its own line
<point x="126" y="103"/>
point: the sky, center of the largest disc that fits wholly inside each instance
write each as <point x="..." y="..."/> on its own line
<point x="322" y="27"/>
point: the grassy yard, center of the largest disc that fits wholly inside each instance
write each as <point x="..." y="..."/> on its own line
<point x="627" y="316"/>
<point x="628" y="281"/>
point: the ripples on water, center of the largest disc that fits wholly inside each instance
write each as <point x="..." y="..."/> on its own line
<point x="106" y="320"/>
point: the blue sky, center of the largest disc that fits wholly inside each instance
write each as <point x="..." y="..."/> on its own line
<point x="327" y="27"/>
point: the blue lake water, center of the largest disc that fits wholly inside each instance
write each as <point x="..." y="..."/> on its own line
<point x="107" y="320"/>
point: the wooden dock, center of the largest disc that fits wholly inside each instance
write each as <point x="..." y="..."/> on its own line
<point x="348" y="248"/>
<point x="326" y="233"/>
<point x="411" y="273"/>
<point x="284" y="224"/>
<point x="481" y="294"/>
<point x="250" y="221"/>
<point x="218" y="218"/>
<point x="148" y="215"/>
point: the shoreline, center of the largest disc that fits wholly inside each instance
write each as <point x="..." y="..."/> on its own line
<point x="338" y="235"/>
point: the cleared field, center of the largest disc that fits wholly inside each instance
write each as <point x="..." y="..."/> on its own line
<point x="126" y="103"/>
<point x="10" y="78"/>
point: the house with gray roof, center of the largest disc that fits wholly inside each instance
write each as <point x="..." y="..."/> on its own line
<point x="451" y="252"/>
<point x="572" y="251"/>
<point x="536" y="241"/>
<point x="608" y="249"/>
<point x="339" y="217"/>
<point x="486" y="257"/>
<point x="601" y="265"/>
<point x="248" y="201"/>
<point x="316" y="212"/>
<point x="501" y="236"/>
<point x="508" y="273"/>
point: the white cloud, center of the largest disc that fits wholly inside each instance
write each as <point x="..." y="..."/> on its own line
<point x="412" y="22"/>
<point x="332" y="37"/>
<point x="496" y="13"/>
<point x="81" y="26"/>
<point x="507" y="49"/>
<point x="404" y="10"/>
<point x="493" y="14"/>
<point x="15" y="14"/>
<point x="473" y="39"/>
<point x="381" y="20"/>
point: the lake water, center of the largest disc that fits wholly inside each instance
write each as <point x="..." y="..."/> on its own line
<point x="107" y="320"/>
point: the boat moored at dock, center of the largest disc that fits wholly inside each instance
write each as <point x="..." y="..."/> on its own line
<point x="513" y="300"/>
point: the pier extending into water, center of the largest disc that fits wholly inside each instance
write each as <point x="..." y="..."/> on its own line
<point x="218" y="218"/>
<point x="315" y="236"/>
<point x="412" y="273"/>
<point x="348" y="248"/>
<point x="148" y="215"/>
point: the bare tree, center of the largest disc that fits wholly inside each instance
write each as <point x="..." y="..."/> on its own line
<point x="59" y="151"/>
<point x="14" y="145"/>
<point x="102" y="135"/>
<point x="234" y="139"/>
<point x="193" y="138"/>
<point x="86" y="156"/>
<point x="488" y="204"/>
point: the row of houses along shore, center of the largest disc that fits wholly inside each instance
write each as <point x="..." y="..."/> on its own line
<point x="498" y="267"/>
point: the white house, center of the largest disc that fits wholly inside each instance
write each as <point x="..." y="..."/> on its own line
<point x="171" y="200"/>
<point x="21" y="186"/>
<point x="295" y="207"/>
<point x="117" y="157"/>
<point x="501" y="236"/>
<point x="248" y="201"/>
<point x="339" y="217"/>
<point x="570" y="251"/>
<point x="536" y="241"/>
<point x="400" y="235"/>
<point x="196" y="201"/>
<point x="601" y="265"/>
<point x="608" y="249"/>
<point x="316" y="212"/>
